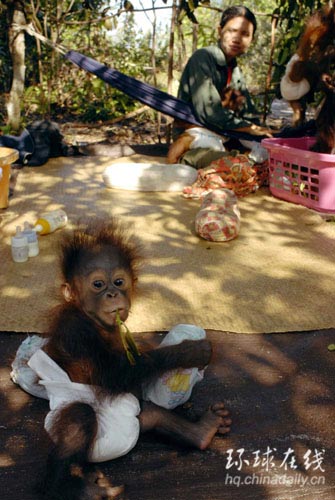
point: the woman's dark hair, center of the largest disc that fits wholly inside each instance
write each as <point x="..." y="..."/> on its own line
<point x="238" y="11"/>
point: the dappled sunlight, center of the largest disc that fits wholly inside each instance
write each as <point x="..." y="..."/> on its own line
<point x="276" y="276"/>
<point x="6" y="460"/>
<point x="276" y="389"/>
<point x="14" y="292"/>
<point x="21" y="425"/>
<point x="280" y="398"/>
<point x="270" y="472"/>
<point x="279" y="218"/>
<point x="6" y="383"/>
<point x="259" y="359"/>
<point x="17" y="400"/>
<point x="310" y="393"/>
<point x="281" y="304"/>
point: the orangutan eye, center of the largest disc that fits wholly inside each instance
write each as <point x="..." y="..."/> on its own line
<point x="98" y="284"/>
<point x="118" y="282"/>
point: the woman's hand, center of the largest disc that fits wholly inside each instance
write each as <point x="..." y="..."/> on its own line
<point x="255" y="130"/>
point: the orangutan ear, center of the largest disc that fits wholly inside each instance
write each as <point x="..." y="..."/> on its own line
<point x="67" y="292"/>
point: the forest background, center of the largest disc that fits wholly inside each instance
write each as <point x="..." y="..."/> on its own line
<point x="150" y="40"/>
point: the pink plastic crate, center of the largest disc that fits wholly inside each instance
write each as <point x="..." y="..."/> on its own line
<point x="299" y="175"/>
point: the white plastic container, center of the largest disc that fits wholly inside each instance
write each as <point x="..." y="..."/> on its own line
<point x="50" y="221"/>
<point x="31" y="235"/>
<point x="19" y="246"/>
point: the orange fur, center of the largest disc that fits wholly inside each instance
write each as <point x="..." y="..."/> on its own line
<point x="316" y="52"/>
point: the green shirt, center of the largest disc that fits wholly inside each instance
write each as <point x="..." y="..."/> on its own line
<point x="203" y="79"/>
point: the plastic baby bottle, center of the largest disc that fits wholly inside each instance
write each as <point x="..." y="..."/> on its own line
<point x="50" y="221"/>
<point x="19" y="246"/>
<point x="33" y="247"/>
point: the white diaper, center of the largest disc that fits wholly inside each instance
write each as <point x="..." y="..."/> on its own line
<point x="204" y="138"/>
<point x="118" y="425"/>
<point x="293" y="91"/>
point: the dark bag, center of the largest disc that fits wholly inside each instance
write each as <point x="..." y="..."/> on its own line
<point x="40" y="141"/>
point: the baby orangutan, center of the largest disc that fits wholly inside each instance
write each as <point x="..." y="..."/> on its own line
<point x="314" y="57"/>
<point x="88" y="370"/>
<point x="231" y="99"/>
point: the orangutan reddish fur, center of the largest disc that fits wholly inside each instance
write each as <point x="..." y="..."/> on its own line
<point x="316" y="52"/>
<point x="100" y="266"/>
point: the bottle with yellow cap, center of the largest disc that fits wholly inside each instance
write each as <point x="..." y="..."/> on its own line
<point x="50" y="221"/>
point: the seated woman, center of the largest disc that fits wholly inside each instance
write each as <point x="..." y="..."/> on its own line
<point x="207" y="76"/>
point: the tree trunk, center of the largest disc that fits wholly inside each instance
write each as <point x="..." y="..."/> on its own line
<point x="274" y="24"/>
<point x="171" y="45"/>
<point x="182" y="54"/>
<point x="154" y="65"/>
<point x="17" y="51"/>
<point x="195" y="34"/>
<point x="154" y="45"/>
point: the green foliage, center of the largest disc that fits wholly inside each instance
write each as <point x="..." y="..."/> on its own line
<point x="6" y="129"/>
<point x="64" y="89"/>
<point x="56" y="87"/>
<point x="187" y="9"/>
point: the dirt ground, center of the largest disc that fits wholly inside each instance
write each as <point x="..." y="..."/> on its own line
<point x="279" y="389"/>
<point x="146" y="127"/>
<point x="143" y="127"/>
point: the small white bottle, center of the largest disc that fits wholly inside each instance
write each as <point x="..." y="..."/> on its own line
<point x="50" y="221"/>
<point x="31" y="235"/>
<point x="20" y="248"/>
